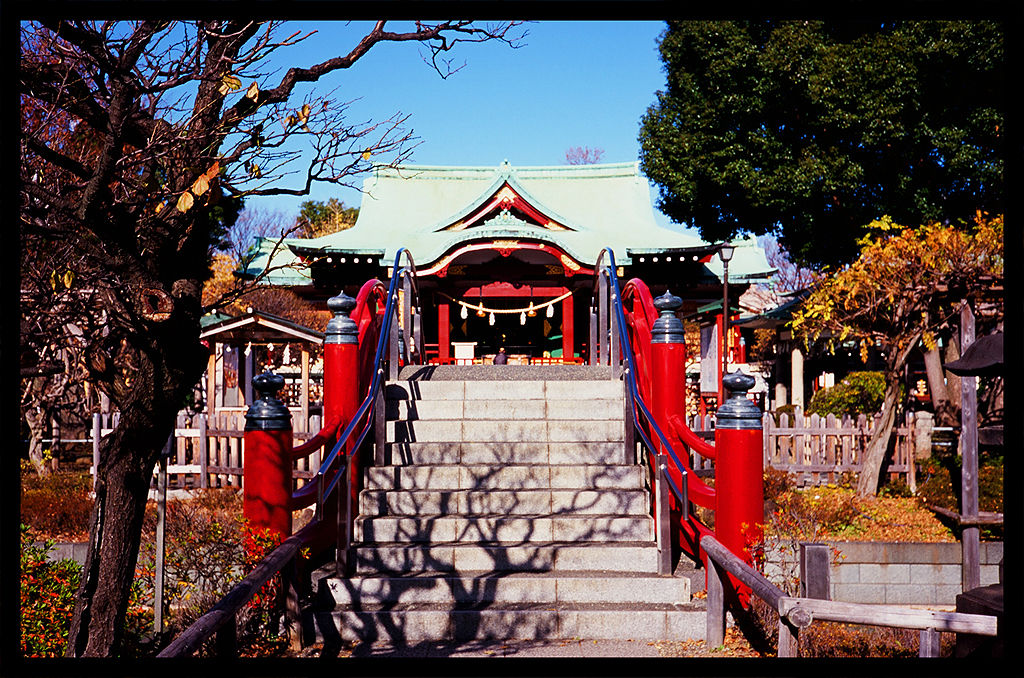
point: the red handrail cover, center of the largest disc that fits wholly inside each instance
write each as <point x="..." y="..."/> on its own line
<point x="689" y="438"/>
<point x="329" y="430"/>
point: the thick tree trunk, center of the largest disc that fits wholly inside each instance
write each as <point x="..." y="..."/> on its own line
<point x="945" y="414"/>
<point x="127" y="458"/>
<point x="953" y="381"/>
<point x="878" y="445"/>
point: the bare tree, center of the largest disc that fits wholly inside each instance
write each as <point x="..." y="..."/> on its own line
<point x="788" y="276"/>
<point x="176" y="117"/>
<point x="583" y="155"/>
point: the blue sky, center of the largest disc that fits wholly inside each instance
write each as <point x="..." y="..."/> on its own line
<point x="569" y="84"/>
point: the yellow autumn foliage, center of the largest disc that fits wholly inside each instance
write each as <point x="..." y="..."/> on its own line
<point x="904" y="283"/>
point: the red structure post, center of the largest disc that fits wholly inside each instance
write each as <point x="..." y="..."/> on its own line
<point x="739" y="474"/>
<point x="568" y="340"/>
<point x="668" y="385"/>
<point x="444" y="347"/>
<point x="341" y="362"/>
<point x="267" y="492"/>
<point x="341" y="399"/>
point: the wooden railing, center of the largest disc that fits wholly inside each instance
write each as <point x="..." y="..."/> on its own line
<point x="212" y="454"/>
<point x="798" y="613"/>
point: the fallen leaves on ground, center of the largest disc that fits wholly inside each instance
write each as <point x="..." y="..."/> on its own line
<point x="735" y="645"/>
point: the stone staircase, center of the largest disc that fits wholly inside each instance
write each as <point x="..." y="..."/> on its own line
<point x="505" y="510"/>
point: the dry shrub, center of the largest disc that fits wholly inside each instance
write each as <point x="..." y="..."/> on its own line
<point x="58" y="506"/>
<point x="835" y="640"/>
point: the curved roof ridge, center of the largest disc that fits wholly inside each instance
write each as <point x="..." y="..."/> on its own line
<point x="506" y="168"/>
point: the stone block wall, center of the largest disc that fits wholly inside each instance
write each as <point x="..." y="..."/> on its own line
<point x="906" y="573"/>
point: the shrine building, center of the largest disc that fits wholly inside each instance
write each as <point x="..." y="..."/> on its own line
<point x="505" y="255"/>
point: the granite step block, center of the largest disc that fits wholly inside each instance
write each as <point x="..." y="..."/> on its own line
<point x="507" y="477"/>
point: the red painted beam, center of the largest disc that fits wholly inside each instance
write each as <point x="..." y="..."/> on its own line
<point x="443" y="343"/>
<point x="504" y="289"/>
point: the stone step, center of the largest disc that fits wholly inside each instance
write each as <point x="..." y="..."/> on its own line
<point x="475" y="588"/>
<point x="444" y="431"/>
<point x="498" y="410"/>
<point x="432" y="623"/>
<point x="498" y="453"/>
<point x="428" y="528"/>
<point x="503" y="390"/>
<point x="509" y="373"/>
<point x="402" y="557"/>
<point x="507" y="502"/>
<point x="508" y="477"/>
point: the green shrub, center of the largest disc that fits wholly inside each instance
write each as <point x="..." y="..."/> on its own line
<point x="857" y="393"/>
<point x="48" y="590"/>
<point x="47" y="598"/>
<point x="784" y="409"/>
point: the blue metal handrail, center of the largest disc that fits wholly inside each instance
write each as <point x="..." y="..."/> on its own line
<point x="375" y="385"/>
<point x="630" y="378"/>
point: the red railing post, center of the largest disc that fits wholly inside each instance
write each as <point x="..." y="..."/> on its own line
<point x="341" y="362"/>
<point x="341" y="399"/>
<point x="739" y="474"/>
<point x="668" y="387"/>
<point x="267" y="491"/>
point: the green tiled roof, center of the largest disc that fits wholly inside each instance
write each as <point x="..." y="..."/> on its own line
<point x="596" y="206"/>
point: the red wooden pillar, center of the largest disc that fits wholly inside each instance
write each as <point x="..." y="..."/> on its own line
<point x="341" y="362"/>
<point x="568" y="340"/>
<point x="341" y="400"/>
<point x="443" y="340"/>
<point x="739" y="475"/>
<point x="668" y="389"/>
<point x="267" y="491"/>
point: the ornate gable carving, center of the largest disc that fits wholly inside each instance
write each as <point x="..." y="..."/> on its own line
<point x="508" y="205"/>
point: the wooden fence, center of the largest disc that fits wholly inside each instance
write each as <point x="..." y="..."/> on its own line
<point x="211" y="453"/>
<point x="818" y="450"/>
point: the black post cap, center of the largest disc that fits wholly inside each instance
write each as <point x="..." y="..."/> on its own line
<point x="668" y="329"/>
<point x="268" y="413"/>
<point x="341" y="329"/>
<point x="737" y="412"/>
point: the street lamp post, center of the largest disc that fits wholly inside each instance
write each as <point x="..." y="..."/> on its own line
<point x="725" y="252"/>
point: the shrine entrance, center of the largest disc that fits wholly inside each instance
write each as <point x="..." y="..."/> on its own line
<point x="529" y="322"/>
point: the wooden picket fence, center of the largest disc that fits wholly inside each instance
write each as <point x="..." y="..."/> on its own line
<point x="211" y="453"/>
<point x="818" y="450"/>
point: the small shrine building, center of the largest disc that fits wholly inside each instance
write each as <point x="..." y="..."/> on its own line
<point x="505" y="255"/>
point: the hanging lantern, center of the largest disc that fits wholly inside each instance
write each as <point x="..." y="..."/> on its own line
<point x="491" y="319"/>
<point x="465" y="312"/>
<point x="551" y="310"/>
<point x="532" y="312"/>
<point x="522" y="318"/>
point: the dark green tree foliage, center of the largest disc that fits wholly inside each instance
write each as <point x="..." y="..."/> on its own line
<point x="805" y="128"/>
<point x="857" y="393"/>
